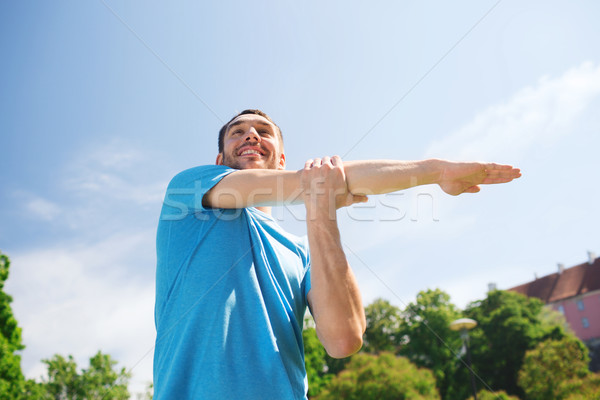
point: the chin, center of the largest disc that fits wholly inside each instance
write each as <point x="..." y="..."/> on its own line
<point x="249" y="164"/>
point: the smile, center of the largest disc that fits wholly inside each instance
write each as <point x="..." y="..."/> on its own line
<point x="250" y="152"/>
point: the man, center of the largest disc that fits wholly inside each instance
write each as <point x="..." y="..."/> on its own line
<point x="232" y="286"/>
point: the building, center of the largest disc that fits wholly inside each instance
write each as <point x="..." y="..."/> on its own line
<point x="575" y="292"/>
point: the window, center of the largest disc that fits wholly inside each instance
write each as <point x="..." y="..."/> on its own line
<point x="585" y="322"/>
<point x="580" y="305"/>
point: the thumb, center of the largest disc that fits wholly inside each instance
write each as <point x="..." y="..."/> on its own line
<point x="472" y="189"/>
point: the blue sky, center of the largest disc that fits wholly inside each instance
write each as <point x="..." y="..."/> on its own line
<point x="102" y="102"/>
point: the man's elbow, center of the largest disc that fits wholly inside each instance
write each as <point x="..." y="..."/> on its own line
<point x="344" y="347"/>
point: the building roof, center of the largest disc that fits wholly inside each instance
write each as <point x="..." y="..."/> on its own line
<point x="571" y="282"/>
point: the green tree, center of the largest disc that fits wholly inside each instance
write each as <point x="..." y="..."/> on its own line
<point x="336" y="365"/>
<point x="64" y="381"/>
<point x="315" y="362"/>
<point x="583" y="389"/>
<point x="12" y="381"/>
<point x="97" y="382"/>
<point x="383" y="327"/>
<point x="148" y="394"/>
<point x="102" y="382"/>
<point x="487" y="395"/>
<point x="550" y="365"/>
<point x="509" y="324"/>
<point x="429" y="341"/>
<point x="381" y="377"/>
<point x="35" y="391"/>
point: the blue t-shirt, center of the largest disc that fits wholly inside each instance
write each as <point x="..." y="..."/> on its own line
<point x="231" y="289"/>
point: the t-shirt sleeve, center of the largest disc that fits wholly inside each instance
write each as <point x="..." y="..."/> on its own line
<point x="306" y="260"/>
<point x="186" y="190"/>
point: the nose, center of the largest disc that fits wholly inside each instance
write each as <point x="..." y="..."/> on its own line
<point x="252" y="134"/>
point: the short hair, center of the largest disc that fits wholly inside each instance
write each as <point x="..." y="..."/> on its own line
<point x="224" y="128"/>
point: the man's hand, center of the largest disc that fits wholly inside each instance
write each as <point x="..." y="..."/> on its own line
<point x="465" y="177"/>
<point x="323" y="184"/>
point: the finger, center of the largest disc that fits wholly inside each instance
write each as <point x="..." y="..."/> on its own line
<point x="491" y="169"/>
<point x="493" y="181"/>
<point x="503" y="172"/>
<point x="494" y="166"/>
<point x="500" y="178"/>
<point x="472" y="189"/>
<point x="308" y="163"/>
<point x="316" y="162"/>
<point x="351" y="199"/>
<point x="326" y="161"/>
<point x="336" y="161"/>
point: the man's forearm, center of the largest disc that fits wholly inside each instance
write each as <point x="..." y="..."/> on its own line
<point x="335" y="299"/>
<point x="384" y="176"/>
<point x="258" y="187"/>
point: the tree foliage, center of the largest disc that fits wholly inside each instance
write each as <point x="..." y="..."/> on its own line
<point x="8" y="324"/>
<point x="381" y="377"/>
<point x="429" y="341"/>
<point x="148" y="394"/>
<point x="487" y="395"/>
<point x="12" y="381"/>
<point x="549" y="367"/>
<point x="383" y="327"/>
<point x="509" y="324"/>
<point x="64" y="382"/>
<point x="315" y="362"/>
<point x="97" y="382"/>
<point x="583" y="389"/>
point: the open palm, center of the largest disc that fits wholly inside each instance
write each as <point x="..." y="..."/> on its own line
<point x="465" y="177"/>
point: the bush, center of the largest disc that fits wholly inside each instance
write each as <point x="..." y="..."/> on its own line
<point x="382" y="377"/>
<point x="501" y="395"/>
<point x="550" y="365"/>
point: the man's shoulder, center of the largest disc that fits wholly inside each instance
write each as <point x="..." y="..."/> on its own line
<point x="201" y="172"/>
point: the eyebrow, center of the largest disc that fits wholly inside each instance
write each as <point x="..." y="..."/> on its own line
<point x="236" y="123"/>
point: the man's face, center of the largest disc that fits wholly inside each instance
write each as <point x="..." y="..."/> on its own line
<point x="252" y="142"/>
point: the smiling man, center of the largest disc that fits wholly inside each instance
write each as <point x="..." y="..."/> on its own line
<point x="266" y="151"/>
<point x="232" y="286"/>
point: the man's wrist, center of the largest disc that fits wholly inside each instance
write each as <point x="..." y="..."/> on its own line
<point x="433" y="171"/>
<point x="320" y="211"/>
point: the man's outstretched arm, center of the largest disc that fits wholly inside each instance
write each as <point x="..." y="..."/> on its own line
<point x="334" y="297"/>
<point x="259" y="187"/>
<point x="385" y="176"/>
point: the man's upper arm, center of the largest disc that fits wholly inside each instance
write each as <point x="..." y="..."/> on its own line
<point x="254" y="187"/>
<point x="185" y="191"/>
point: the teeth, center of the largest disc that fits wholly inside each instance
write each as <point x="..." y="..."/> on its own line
<point x="250" y="152"/>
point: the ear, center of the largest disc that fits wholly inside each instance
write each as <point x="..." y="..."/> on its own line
<point x="219" y="160"/>
<point x="281" y="161"/>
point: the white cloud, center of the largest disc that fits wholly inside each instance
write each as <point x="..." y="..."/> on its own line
<point x="118" y="172"/>
<point x="534" y="116"/>
<point x="104" y="189"/>
<point x="95" y="292"/>
<point x="42" y="208"/>
<point x="78" y="300"/>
